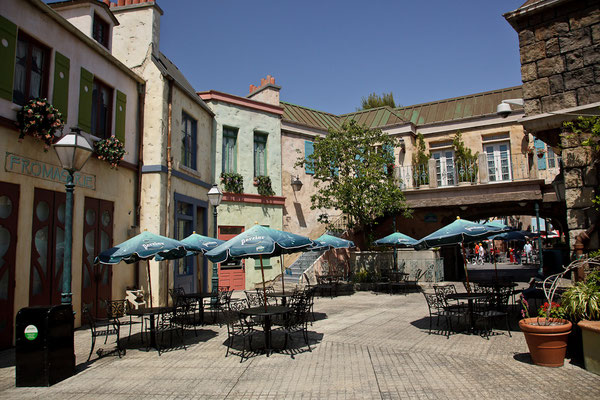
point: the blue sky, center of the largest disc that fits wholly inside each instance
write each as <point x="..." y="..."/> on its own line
<point x="328" y="54"/>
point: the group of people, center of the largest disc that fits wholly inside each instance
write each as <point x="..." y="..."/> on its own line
<point x="480" y="254"/>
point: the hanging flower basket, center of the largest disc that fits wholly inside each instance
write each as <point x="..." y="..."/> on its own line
<point x="232" y="182"/>
<point x="110" y="150"/>
<point x="263" y="184"/>
<point x="39" y="119"/>
<point x="540" y="153"/>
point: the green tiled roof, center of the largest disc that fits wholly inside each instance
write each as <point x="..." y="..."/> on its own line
<point x="473" y="105"/>
<point x="374" y="117"/>
<point x="309" y="117"/>
<point x="469" y="106"/>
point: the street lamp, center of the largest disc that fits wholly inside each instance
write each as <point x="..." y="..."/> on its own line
<point x="214" y="197"/>
<point x="296" y="184"/>
<point x="73" y="151"/>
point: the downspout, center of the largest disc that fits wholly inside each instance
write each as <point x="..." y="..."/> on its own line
<point x="138" y="197"/>
<point x="169" y="174"/>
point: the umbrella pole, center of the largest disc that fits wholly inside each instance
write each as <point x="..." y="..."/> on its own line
<point x="149" y="281"/>
<point x="282" y="280"/>
<point x="462" y="245"/>
<point x="200" y="273"/>
<point x="262" y="271"/>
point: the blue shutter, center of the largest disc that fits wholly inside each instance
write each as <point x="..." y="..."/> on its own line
<point x="388" y="149"/>
<point x="539" y="145"/>
<point x="308" y="150"/>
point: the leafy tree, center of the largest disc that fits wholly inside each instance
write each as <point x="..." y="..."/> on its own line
<point x="420" y="161"/>
<point x="374" y="101"/>
<point x="466" y="161"/>
<point x="352" y="168"/>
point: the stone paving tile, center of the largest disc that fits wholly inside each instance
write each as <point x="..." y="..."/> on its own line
<point x="365" y="346"/>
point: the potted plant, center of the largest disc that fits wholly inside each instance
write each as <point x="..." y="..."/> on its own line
<point x="420" y="163"/>
<point x="465" y="161"/>
<point x="582" y="306"/>
<point x="547" y="334"/>
<point x="39" y="119"/>
<point x="232" y="182"/>
<point x="263" y="184"/>
<point x="110" y="150"/>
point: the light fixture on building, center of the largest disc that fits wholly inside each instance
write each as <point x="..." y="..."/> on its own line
<point x="296" y="184"/>
<point x="503" y="109"/>
<point x="522" y="203"/>
<point x="559" y="187"/>
<point x="73" y="151"/>
<point x="463" y="207"/>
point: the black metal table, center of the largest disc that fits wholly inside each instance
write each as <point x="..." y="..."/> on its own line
<point x="469" y="297"/>
<point x="199" y="297"/>
<point x="152" y="312"/>
<point x="280" y="295"/>
<point x="266" y="313"/>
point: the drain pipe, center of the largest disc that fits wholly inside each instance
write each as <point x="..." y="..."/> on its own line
<point x="169" y="175"/>
<point x="138" y="197"/>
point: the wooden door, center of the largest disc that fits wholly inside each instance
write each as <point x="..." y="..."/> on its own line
<point x="9" y="213"/>
<point x="231" y="273"/>
<point x="47" y="247"/>
<point x="96" y="280"/>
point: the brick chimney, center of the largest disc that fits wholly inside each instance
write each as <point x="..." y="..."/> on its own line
<point x="267" y="92"/>
<point x="138" y="30"/>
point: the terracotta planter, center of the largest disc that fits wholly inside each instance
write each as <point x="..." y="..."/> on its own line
<point x="547" y="344"/>
<point x="590" y="331"/>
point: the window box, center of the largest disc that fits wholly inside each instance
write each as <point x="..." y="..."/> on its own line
<point x="110" y="150"/>
<point x="263" y="183"/>
<point x="39" y="119"/>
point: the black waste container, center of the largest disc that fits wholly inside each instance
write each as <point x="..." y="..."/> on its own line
<point x="44" y="353"/>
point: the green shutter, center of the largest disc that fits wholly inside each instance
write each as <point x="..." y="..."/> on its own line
<point x="120" y="116"/>
<point x="308" y="150"/>
<point x="60" y="94"/>
<point x="86" y="85"/>
<point x="8" y="48"/>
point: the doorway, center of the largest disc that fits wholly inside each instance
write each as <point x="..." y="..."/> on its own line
<point x="9" y="213"/>
<point x="231" y="273"/>
<point x="96" y="280"/>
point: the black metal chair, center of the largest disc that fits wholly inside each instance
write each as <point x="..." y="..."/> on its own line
<point x="101" y="327"/>
<point x="437" y="309"/>
<point x="297" y="322"/>
<point x="239" y="326"/>
<point x="492" y="307"/>
<point x="167" y="323"/>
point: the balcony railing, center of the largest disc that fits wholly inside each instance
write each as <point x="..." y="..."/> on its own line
<point x="484" y="170"/>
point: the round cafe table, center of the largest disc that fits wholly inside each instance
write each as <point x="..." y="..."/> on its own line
<point x="266" y="313"/>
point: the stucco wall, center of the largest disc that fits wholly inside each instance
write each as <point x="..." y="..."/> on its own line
<point x="138" y="30"/>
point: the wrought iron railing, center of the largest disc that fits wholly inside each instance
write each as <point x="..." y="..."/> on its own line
<point x="485" y="169"/>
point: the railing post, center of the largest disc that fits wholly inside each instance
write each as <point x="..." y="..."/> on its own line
<point x="484" y="176"/>
<point x="432" y="173"/>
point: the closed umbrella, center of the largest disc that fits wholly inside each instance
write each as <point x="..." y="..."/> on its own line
<point x="145" y="246"/>
<point x="460" y="232"/>
<point x="257" y="242"/>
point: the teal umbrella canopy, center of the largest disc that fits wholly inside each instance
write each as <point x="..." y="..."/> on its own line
<point x="515" y="235"/>
<point x="459" y="231"/>
<point x="499" y="226"/>
<point x="396" y="239"/>
<point x="256" y="242"/>
<point x="326" y="242"/>
<point x="144" y="246"/>
<point x="196" y="243"/>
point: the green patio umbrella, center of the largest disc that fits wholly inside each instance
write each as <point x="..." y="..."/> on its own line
<point x="328" y="242"/>
<point x="396" y="240"/>
<point x="257" y="242"/>
<point x="460" y="232"/>
<point x="145" y="246"/>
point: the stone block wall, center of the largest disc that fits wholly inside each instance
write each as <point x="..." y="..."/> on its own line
<point x="560" y="55"/>
<point x="581" y="176"/>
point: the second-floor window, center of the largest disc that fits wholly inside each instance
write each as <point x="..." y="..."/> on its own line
<point x="101" y="109"/>
<point x="260" y="154"/>
<point x="31" y="70"/>
<point x="100" y="31"/>
<point x="188" y="146"/>
<point x="229" y="163"/>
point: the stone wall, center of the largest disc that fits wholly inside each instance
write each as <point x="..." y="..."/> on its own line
<point x="560" y="55"/>
<point x="581" y="176"/>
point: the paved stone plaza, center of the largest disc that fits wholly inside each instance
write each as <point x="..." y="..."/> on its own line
<point x="364" y="346"/>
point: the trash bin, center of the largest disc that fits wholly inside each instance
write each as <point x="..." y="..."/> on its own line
<point x="44" y="353"/>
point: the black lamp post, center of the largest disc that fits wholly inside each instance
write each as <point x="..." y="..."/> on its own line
<point x="540" y="251"/>
<point x="214" y="197"/>
<point x="73" y="151"/>
<point x="296" y="184"/>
